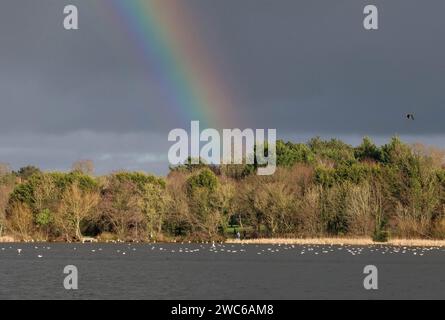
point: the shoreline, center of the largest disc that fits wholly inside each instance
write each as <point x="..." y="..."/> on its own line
<point x="272" y="241"/>
<point x="342" y="241"/>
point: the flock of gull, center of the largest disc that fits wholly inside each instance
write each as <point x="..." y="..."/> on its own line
<point x="40" y="251"/>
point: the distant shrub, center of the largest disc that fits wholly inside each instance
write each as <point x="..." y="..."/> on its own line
<point x="380" y="233"/>
<point x="204" y="179"/>
<point x="367" y="150"/>
<point x="27" y="172"/>
<point x="44" y="218"/>
<point x="334" y="150"/>
<point x="139" y="179"/>
<point x="107" y="236"/>
<point x="289" y="154"/>
<point x="355" y="173"/>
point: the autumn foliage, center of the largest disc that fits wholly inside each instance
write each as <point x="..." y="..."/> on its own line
<point x="321" y="188"/>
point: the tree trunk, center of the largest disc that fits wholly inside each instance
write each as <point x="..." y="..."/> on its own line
<point x="240" y="221"/>
<point x="78" y="233"/>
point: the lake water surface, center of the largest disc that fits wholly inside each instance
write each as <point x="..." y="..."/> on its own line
<point x="194" y="271"/>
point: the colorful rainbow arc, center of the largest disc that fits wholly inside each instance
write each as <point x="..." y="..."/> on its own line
<point x="169" y="41"/>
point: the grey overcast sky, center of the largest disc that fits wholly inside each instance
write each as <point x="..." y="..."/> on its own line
<point x="303" y="67"/>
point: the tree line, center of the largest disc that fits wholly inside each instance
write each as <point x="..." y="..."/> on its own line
<point x="321" y="188"/>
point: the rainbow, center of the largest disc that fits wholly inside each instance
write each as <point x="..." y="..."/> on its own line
<point x="169" y="41"/>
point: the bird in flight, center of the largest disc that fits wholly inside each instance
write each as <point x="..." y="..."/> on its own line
<point x="410" y="116"/>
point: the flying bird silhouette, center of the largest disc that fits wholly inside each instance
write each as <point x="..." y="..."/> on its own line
<point x="410" y="116"/>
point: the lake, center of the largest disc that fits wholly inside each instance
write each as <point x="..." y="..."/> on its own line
<point x="201" y="271"/>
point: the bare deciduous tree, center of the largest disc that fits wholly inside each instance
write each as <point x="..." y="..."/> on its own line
<point x="20" y="221"/>
<point x="153" y="204"/>
<point x="76" y="205"/>
<point x="120" y="207"/>
<point x="5" y="191"/>
<point x="5" y="168"/>
<point x="361" y="209"/>
<point x="45" y="193"/>
<point x="178" y="211"/>
<point x="84" y="166"/>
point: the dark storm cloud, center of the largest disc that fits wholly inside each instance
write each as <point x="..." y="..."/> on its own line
<point x="58" y="81"/>
<point x="310" y="65"/>
<point x="303" y="67"/>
